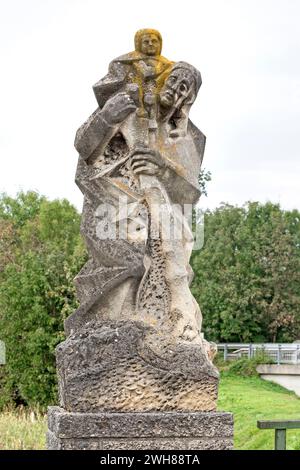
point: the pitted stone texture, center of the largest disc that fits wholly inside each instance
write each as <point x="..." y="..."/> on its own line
<point x="125" y="431"/>
<point x="197" y="424"/>
<point x="135" y="342"/>
<point x="118" y="366"/>
<point x="140" y="444"/>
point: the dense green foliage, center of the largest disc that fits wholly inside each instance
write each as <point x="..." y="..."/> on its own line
<point x="247" y="276"/>
<point x="40" y="253"/>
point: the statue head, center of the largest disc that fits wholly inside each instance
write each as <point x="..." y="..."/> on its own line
<point x="182" y="85"/>
<point x="148" y="42"/>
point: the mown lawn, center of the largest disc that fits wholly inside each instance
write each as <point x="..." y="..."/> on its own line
<point x="251" y="399"/>
<point x="248" y="398"/>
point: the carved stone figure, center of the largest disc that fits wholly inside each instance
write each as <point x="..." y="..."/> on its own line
<point x="135" y="342"/>
<point x="144" y="67"/>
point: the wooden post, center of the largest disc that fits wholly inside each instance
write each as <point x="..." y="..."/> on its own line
<point x="280" y="427"/>
<point x="280" y="439"/>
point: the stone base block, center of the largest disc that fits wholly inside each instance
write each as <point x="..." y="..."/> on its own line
<point x="139" y="431"/>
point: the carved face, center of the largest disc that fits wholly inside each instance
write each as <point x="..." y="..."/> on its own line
<point x="178" y="84"/>
<point x="150" y="44"/>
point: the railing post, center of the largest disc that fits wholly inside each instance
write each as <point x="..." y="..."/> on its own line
<point x="280" y="427"/>
<point x="278" y="354"/>
<point x="280" y="439"/>
<point x="297" y="353"/>
<point x="250" y="351"/>
<point x="225" y="352"/>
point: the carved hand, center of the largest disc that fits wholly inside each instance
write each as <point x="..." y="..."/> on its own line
<point x="117" y="108"/>
<point x="147" y="161"/>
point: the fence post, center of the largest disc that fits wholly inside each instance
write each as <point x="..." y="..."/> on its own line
<point x="225" y="352"/>
<point x="263" y="351"/>
<point x="281" y="428"/>
<point x="278" y="354"/>
<point x="280" y="439"/>
<point x="297" y="353"/>
<point x="250" y="351"/>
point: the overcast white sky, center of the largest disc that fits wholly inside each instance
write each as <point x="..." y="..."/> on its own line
<point x="248" y="52"/>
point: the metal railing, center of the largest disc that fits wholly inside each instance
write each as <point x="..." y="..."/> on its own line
<point x="279" y="353"/>
<point x="280" y="430"/>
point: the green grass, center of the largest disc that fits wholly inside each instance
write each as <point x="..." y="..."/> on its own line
<point x="251" y="399"/>
<point x="248" y="398"/>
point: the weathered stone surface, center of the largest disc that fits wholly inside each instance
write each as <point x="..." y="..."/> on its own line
<point x="53" y="442"/>
<point x="191" y="424"/>
<point x="139" y="147"/>
<point x="135" y="344"/>
<point x="170" y="430"/>
<point x="124" y="366"/>
<point x="139" y="444"/>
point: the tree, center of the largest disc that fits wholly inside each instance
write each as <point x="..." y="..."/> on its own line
<point x="41" y="251"/>
<point x="203" y="179"/>
<point x="247" y="275"/>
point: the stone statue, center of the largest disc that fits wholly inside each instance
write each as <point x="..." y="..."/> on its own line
<point x="144" y="67"/>
<point x="135" y="342"/>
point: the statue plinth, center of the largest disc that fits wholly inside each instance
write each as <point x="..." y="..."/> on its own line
<point x="134" y="352"/>
<point x="139" y="431"/>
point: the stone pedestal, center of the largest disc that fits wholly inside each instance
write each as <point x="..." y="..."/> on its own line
<point x="139" y="431"/>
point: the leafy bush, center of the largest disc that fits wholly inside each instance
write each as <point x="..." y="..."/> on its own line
<point x="246" y="367"/>
<point x="40" y="253"/>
